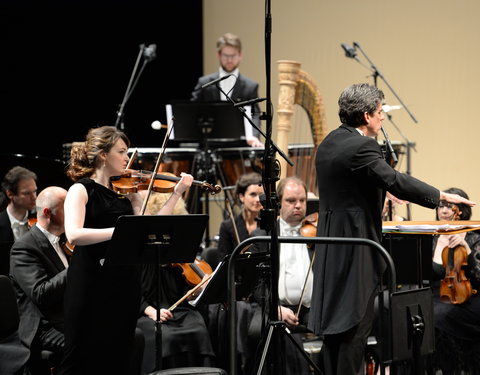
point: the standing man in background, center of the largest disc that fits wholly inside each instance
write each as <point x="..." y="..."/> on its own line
<point x="237" y="86"/>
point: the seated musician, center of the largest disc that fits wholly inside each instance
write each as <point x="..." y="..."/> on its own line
<point x="247" y="191"/>
<point x="457" y="326"/>
<point x="38" y="269"/>
<point x="185" y="338"/>
<point x="17" y="198"/>
<point x="294" y="265"/>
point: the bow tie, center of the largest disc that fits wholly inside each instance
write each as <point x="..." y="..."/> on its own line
<point x="293" y="231"/>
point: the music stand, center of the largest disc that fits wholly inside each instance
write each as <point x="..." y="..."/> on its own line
<point x="156" y="239"/>
<point x="412" y="326"/>
<point x="246" y="275"/>
<point x="217" y="123"/>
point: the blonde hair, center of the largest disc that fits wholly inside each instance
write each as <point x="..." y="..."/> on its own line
<point x="84" y="155"/>
<point x="158" y="200"/>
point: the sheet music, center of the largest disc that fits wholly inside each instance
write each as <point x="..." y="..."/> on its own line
<point x="195" y="301"/>
<point x="428" y="228"/>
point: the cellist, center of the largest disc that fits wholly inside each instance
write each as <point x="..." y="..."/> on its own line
<point x="457" y="327"/>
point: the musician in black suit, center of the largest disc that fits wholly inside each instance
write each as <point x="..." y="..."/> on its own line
<point x="238" y="87"/>
<point x="353" y="178"/>
<point x="19" y="191"/>
<point x="38" y="268"/>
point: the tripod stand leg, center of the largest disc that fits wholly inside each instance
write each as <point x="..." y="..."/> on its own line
<point x="281" y="328"/>
<point x="265" y="349"/>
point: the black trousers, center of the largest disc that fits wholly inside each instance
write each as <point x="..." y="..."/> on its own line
<point x="343" y="353"/>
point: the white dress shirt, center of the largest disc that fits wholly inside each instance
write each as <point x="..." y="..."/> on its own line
<point x="227" y="84"/>
<point x="294" y="265"/>
<point x="19" y="227"/>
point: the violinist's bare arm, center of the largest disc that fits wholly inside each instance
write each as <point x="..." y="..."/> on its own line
<point x="75" y="203"/>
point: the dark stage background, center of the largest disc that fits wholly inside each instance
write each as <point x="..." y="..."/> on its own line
<point x="66" y="65"/>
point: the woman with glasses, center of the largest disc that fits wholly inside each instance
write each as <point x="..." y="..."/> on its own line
<point x="457" y="326"/>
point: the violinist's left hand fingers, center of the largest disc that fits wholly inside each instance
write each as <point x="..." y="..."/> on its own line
<point x="184" y="183"/>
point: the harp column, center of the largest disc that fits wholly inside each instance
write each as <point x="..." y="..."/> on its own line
<point x="288" y="79"/>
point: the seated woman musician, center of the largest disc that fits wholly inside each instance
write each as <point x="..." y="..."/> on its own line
<point x="185" y="338"/>
<point x="457" y="325"/>
<point x="101" y="300"/>
<point x="234" y="230"/>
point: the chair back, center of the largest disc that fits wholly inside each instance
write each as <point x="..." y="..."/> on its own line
<point x="9" y="317"/>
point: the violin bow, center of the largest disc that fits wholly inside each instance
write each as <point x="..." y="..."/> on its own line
<point x="132" y="158"/>
<point x="305" y="285"/>
<point x="190" y="292"/>
<point x="232" y="219"/>
<point x="157" y="165"/>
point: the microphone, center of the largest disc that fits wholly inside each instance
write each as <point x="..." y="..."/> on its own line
<point x="248" y="102"/>
<point x="215" y="81"/>
<point x="349" y="51"/>
<point x="387" y="108"/>
<point x="150" y="53"/>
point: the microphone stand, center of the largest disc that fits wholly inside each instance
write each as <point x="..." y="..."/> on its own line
<point x="376" y="73"/>
<point x="131" y="86"/>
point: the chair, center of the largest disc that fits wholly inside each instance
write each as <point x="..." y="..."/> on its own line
<point x="13" y="355"/>
<point x="9" y="318"/>
<point x="191" y="370"/>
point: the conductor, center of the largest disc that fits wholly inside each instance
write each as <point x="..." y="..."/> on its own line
<point x="353" y="179"/>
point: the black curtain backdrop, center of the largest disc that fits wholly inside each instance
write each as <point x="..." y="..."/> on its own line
<point x="66" y="65"/>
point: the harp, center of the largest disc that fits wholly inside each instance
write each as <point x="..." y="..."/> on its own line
<point x="297" y="88"/>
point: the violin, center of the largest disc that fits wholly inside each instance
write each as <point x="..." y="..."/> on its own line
<point x="66" y="246"/>
<point x="194" y="272"/>
<point x="309" y="227"/>
<point x="132" y="181"/>
<point x="455" y="288"/>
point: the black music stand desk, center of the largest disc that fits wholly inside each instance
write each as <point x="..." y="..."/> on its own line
<point x="156" y="239"/>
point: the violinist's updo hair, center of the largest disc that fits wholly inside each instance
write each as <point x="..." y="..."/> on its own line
<point x="84" y="155"/>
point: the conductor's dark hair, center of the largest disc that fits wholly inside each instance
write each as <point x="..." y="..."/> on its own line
<point x="357" y="99"/>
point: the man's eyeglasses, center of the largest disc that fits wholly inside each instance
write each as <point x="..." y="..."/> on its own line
<point x="229" y="57"/>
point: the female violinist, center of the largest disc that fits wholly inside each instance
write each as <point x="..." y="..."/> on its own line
<point x="101" y="302"/>
<point x="185" y="338"/>
<point x="457" y="327"/>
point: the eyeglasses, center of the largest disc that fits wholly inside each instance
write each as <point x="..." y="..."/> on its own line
<point x="447" y="205"/>
<point x="229" y="57"/>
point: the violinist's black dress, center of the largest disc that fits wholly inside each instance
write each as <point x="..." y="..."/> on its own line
<point x="185" y="338"/>
<point x="457" y="327"/>
<point x="101" y="302"/>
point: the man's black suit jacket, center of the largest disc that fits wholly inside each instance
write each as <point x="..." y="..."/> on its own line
<point x="244" y="89"/>
<point x="353" y="178"/>
<point x="39" y="278"/>
<point x="6" y="242"/>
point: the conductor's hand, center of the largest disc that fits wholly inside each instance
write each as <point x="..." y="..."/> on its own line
<point x="287" y="315"/>
<point x="184" y="183"/>
<point x="455" y="198"/>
